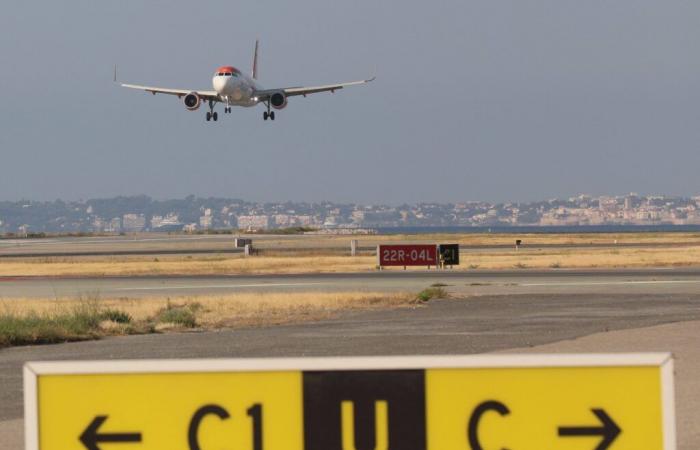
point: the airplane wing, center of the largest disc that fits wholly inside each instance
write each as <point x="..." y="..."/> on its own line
<point x="204" y="95"/>
<point x="292" y="91"/>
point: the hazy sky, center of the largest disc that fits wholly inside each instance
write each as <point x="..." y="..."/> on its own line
<point x="475" y="100"/>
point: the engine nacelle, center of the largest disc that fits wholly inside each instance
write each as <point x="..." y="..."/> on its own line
<point x="278" y="100"/>
<point x="192" y="101"/>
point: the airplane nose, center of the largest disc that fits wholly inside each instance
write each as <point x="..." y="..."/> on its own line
<point x="237" y="93"/>
<point x="219" y="85"/>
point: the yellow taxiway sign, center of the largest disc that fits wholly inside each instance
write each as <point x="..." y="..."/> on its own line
<point x="517" y="402"/>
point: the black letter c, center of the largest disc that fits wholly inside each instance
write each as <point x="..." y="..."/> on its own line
<point x="197" y="419"/>
<point x="480" y="410"/>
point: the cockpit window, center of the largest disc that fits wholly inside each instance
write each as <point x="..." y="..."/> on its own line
<point x="227" y="72"/>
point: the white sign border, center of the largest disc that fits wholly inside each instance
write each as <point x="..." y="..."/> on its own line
<point x="32" y="370"/>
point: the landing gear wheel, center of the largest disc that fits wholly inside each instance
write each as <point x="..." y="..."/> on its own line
<point x="272" y="115"/>
<point x="215" y="116"/>
<point x="208" y="116"/>
<point x="265" y="115"/>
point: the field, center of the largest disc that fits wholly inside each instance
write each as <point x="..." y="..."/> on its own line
<point x="33" y="321"/>
<point x="45" y="320"/>
<point x="528" y="257"/>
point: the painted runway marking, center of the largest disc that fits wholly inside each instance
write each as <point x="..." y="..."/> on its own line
<point x="611" y="283"/>
<point x="217" y="286"/>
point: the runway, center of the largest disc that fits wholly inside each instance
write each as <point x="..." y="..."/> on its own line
<point x="155" y="244"/>
<point x="672" y="280"/>
<point x="455" y="326"/>
<point x="487" y="311"/>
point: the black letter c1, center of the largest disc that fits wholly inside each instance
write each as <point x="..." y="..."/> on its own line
<point x="475" y="418"/>
<point x="197" y="419"/>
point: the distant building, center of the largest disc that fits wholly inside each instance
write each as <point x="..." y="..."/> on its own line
<point x="205" y="222"/>
<point x="358" y="216"/>
<point x="114" y="225"/>
<point x="98" y="224"/>
<point x="331" y="221"/>
<point x="282" y="220"/>
<point x="171" y="220"/>
<point x="305" y="221"/>
<point x="258" y="222"/>
<point x="133" y="222"/>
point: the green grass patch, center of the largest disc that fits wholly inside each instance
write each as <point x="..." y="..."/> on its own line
<point x="81" y="322"/>
<point x="38" y="329"/>
<point x="431" y="293"/>
<point x="183" y="316"/>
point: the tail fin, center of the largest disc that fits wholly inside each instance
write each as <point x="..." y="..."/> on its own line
<point x="255" y="60"/>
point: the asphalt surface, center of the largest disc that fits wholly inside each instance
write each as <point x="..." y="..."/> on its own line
<point x="467" y="282"/>
<point x="155" y="244"/>
<point x="457" y="326"/>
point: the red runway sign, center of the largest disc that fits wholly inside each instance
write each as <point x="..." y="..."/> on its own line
<point x="407" y="255"/>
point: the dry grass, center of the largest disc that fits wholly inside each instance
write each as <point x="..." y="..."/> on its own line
<point x="585" y="258"/>
<point x="501" y="239"/>
<point x="527" y="257"/>
<point x="185" y="266"/>
<point x="231" y="310"/>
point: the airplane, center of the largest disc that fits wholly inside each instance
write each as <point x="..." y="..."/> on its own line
<point x="234" y="88"/>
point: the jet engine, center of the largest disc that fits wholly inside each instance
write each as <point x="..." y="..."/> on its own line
<point x="278" y="100"/>
<point x="192" y="101"/>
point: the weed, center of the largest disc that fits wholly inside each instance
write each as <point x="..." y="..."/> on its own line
<point x="431" y="293"/>
<point x="178" y="315"/>
<point x="116" y="316"/>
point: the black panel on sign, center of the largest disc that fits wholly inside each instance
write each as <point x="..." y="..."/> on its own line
<point x="449" y="254"/>
<point x="401" y="393"/>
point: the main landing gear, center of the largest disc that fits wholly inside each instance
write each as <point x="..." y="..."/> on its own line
<point x="212" y="114"/>
<point x="268" y="114"/>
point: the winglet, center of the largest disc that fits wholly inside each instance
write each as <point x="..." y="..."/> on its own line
<point x="255" y="59"/>
<point x="374" y="77"/>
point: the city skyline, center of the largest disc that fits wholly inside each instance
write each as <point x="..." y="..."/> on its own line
<point x="142" y="213"/>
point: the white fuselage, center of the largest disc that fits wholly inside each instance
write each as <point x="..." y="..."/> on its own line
<point x="235" y="88"/>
